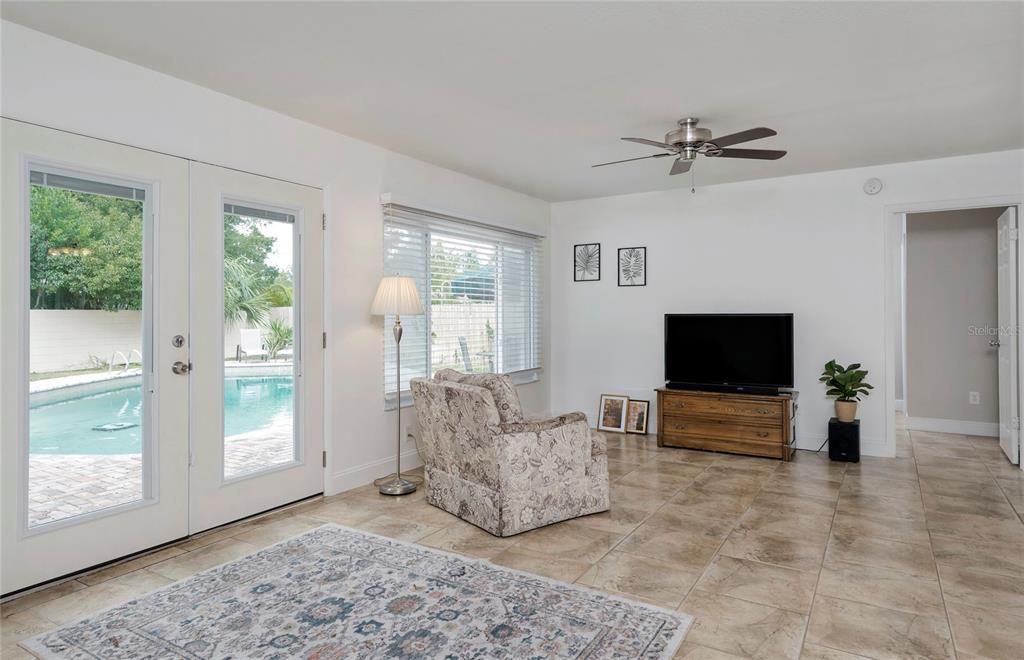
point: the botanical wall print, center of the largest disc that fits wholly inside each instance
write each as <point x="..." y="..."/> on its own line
<point x="586" y="262"/>
<point x="612" y="416"/>
<point x="633" y="266"/>
<point x="636" y="416"/>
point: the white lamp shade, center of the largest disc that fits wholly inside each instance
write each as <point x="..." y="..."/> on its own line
<point x="396" y="295"/>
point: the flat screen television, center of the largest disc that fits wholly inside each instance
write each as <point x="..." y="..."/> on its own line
<point x="731" y="352"/>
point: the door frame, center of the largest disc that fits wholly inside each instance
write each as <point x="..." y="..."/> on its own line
<point x="892" y="217"/>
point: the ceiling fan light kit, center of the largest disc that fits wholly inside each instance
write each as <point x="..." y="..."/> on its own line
<point x="689" y="140"/>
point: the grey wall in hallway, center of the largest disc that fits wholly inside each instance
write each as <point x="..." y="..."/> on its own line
<point x="950" y="287"/>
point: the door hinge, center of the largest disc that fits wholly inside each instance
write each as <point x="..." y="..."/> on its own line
<point x="325" y="339"/>
<point x="323" y="221"/>
<point x="325" y="458"/>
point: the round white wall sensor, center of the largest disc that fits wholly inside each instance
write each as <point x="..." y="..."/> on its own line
<point x="873" y="186"/>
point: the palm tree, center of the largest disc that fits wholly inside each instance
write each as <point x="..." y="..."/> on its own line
<point x="243" y="301"/>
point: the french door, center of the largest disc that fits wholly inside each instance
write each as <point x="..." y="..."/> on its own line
<point x="160" y="362"/>
<point x="256" y="348"/>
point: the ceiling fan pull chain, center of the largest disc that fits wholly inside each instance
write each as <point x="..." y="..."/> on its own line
<point x="693" y="186"/>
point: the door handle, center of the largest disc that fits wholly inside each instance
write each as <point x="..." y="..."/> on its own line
<point x="181" y="368"/>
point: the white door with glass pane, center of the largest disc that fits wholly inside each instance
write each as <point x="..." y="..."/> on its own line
<point x="256" y="348"/>
<point x="94" y="259"/>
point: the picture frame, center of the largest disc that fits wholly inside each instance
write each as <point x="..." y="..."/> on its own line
<point x="638" y="413"/>
<point x="611" y="416"/>
<point x="586" y="262"/>
<point x="632" y="266"/>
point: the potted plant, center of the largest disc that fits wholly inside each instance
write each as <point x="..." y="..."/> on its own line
<point x="847" y="385"/>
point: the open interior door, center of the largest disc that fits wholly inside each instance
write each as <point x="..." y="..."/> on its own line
<point x="1008" y="337"/>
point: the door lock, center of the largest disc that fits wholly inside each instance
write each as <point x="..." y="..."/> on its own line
<point x="181" y="368"/>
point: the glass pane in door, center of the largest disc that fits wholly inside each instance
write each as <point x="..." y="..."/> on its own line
<point x="259" y="339"/>
<point x="87" y="413"/>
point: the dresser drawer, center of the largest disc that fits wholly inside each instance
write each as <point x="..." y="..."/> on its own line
<point x="707" y="428"/>
<point x="746" y="447"/>
<point x="767" y="411"/>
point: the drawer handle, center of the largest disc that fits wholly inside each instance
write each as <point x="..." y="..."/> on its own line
<point x="762" y="434"/>
<point x="763" y="411"/>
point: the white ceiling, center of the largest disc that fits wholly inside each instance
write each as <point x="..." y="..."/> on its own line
<point x="529" y="95"/>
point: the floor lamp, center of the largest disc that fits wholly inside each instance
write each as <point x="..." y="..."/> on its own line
<point x="398" y="296"/>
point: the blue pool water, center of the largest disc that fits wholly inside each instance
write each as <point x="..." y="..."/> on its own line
<point x="66" y="427"/>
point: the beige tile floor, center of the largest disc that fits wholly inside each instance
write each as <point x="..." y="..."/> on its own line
<point x="915" y="556"/>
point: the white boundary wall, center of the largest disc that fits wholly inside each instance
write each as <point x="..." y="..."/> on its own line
<point x="66" y="339"/>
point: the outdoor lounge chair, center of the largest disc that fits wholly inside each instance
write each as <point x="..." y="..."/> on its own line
<point x="251" y="343"/>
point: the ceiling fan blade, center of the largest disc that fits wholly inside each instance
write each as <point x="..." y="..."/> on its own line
<point x="681" y="166"/>
<point x="759" y="154"/>
<point x="627" y="160"/>
<point x="650" y="143"/>
<point x="742" y="136"/>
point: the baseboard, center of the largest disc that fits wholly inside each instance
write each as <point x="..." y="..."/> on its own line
<point x="361" y="475"/>
<point x="901" y="406"/>
<point x="958" y="426"/>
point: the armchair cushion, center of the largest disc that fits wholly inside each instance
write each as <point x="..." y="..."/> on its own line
<point x="506" y="398"/>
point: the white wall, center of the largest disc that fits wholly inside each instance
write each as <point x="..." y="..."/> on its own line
<point x="945" y="361"/>
<point x="58" y="84"/>
<point x="813" y="245"/>
<point x="64" y="339"/>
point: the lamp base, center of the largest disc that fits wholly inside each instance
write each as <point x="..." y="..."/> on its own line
<point x="397" y="486"/>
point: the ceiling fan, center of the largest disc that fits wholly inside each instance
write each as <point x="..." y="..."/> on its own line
<point x="687" y="141"/>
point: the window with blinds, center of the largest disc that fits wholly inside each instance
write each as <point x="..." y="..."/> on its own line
<point x="481" y="292"/>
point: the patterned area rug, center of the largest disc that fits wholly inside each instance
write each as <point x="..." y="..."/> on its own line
<point x="336" y="593"/>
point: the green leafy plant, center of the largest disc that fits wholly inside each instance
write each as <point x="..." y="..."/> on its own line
<point x="279" y="336"/>
<point x="845" y="383"/>
<point x="244" y="300"/>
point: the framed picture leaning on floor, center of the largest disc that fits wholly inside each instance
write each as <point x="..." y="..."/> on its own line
<point x="612" y="414"/>
<point x="637" y="413"/>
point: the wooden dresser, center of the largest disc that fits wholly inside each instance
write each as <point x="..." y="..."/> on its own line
<point x="757" y="425"/>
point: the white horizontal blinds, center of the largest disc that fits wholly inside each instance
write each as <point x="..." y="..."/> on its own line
<point x="53" y="180"/>
<point x="406" y="253"/>
<point x="485" y="298"/>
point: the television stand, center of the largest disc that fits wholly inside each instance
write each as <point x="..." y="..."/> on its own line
<point x="737" y="423"/>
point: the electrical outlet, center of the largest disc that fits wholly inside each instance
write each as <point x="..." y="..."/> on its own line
<point x="974" y="398"/>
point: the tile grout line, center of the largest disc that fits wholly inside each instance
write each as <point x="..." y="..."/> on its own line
<point x="821" y="566"/>
<point x="931" y="547"/>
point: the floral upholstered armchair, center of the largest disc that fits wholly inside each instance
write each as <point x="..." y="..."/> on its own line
<point x="491" y="467"/>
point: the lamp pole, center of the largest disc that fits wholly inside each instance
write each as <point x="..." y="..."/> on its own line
<point x="398" y="485"/>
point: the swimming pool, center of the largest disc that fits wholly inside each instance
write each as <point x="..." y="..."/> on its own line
<point x="70" y="426"/>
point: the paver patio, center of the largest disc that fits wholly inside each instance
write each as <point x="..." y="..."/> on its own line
<point x="66" y="485"/>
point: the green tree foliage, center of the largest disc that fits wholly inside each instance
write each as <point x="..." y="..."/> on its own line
<point x="85" y="251"/>
<point x="244" y="301"/>
<point x="249" y="247"/>
<point x="280" y="292"/>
